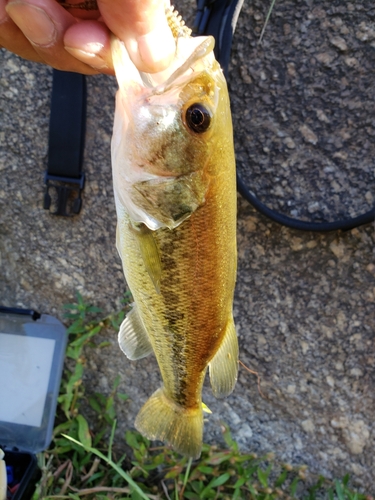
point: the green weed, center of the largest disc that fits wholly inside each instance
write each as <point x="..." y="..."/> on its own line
<point x="266" y="21"/>
<point x="81" y="462"/>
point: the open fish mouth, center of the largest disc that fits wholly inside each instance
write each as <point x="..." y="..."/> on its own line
<point x="184" y="64"/>
<point x="194" y="63"/>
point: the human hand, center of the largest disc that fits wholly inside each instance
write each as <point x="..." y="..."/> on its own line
<point x="77" y="38"/>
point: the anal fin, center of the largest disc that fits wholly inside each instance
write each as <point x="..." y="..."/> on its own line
<point x="133" y="338"/>
<point x="223" y="366"/>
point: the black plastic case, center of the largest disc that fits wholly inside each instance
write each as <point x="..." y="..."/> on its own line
<point x="32" y="351"/>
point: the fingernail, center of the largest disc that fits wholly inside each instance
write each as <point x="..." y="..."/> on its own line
<point x="89" y="56"/>
<point x="34" y="23"/>
<point x="157" y="48"/>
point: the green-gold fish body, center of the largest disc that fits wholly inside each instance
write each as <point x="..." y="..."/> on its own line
<point x="175" y="192"/>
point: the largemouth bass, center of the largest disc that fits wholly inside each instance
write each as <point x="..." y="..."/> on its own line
<point x="175" y="192"/>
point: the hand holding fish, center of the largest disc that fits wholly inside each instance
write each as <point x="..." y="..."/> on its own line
<point x="74" y="35"/>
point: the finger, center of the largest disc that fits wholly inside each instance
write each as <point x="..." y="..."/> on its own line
<point x="89" y="41"/>
<point x="143" y="27"/>
<point x="12" y="39"/>
<point x="43" y="23"/>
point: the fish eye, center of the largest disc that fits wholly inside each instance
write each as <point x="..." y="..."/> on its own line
<point x="198" y="118"/>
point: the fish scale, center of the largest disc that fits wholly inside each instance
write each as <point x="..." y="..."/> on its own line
<point x="177" y="233"/>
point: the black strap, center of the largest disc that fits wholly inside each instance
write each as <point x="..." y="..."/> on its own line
<point x="66" y="142"/>
<point x="219" y="18"/>
<point x="303" y="225"/>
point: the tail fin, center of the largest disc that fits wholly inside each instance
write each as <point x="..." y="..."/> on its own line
<point x="164" y="420"/>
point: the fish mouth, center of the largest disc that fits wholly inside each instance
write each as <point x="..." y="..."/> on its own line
<point x="193" y="55"/>
<point x="193" y="63"/>
<point x="198" y="55"/>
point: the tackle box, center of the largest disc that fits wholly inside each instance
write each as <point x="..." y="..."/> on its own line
<point x="32" y="351"/>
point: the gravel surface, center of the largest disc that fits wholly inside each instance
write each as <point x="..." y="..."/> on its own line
<point x="306" y="98"/>
<point x="303" y="113"/>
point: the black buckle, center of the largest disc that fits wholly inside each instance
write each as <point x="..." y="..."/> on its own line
<point x="65" y="187"/>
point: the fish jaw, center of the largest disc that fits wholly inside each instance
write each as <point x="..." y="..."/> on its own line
<point x="192" y="54"/>
<point x="147" y="110"/>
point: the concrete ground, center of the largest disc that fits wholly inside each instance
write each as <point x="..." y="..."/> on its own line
<point x="302" y="104"/>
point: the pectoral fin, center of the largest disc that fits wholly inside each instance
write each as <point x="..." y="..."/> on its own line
<point x="133" y="338"/>
<point x="149" y="251"/>
<point x="223" y="366"/>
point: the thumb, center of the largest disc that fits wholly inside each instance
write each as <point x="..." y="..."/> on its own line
<point x="142" y="26"/>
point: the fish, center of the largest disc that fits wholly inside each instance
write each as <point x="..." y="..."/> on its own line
<point x="174" y="182"/>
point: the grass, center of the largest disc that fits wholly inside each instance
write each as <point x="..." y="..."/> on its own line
<point x="269" y="12"/>
<point x="82" y="462"/>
